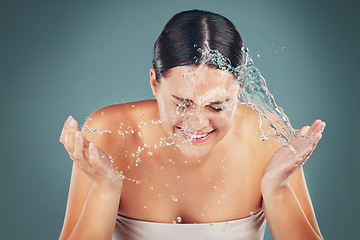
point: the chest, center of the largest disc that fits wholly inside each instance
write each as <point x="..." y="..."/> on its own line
<point x="163" y="189"/>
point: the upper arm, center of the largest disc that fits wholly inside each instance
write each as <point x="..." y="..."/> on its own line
<point x="298" y="185"/>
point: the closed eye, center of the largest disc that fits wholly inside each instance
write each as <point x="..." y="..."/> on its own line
<point x="216" y="109"/>
<point x="183" y="106"/>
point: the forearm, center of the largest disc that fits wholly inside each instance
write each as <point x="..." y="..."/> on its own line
<point x="97" y="219"/>
<point x="286" y="217"/>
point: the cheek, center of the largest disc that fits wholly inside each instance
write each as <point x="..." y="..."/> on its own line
<point x="223" y="119"/>
<point x="220" y="121"/>
<point x="170" y="115"/>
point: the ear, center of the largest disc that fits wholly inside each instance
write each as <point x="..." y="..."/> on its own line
<point x="153" y="83"/>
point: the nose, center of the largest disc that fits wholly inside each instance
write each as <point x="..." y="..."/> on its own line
<point x="197" y="120"/>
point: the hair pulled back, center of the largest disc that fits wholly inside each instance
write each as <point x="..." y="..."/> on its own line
<point x="188" y="31"/>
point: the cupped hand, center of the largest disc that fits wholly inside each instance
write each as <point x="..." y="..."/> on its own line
<point x="288" y="159"/>
<point x="88" y="157"/>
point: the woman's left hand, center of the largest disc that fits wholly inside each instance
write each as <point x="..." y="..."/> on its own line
<point x="285" y="162"/>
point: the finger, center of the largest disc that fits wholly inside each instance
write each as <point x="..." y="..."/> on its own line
<point x="63" y="131"/>
<point x="70" y="135"/>
<point x="93" y="155"/>
<point x="304" y="130"/>
<point x="86" y="148"/>
<point x="317" y="126"/>
<point x="315" y="140"/>
<point x="78" y="147"/>
<point x="323" y="125"/>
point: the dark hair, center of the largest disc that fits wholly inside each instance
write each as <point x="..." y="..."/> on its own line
<point x="188" y="31"/>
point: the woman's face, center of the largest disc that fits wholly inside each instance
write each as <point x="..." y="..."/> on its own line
<point x="196" y="106"/>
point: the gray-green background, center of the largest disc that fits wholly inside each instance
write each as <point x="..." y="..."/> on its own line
<point x="71" y="57"/>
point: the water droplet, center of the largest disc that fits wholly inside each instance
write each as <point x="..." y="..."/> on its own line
<point x="151" y="188"/>
<point x="137" y="182"/>
<point x="258" y="55"/>
<point x="179" y="219"/>
<point x="150" y="153"/>
<point x="251" y="213"/>
<point x="145" y="207"/>
<point x="178" y="177"/>
<point x="174" y="222"/>
<point x="132" y="105"/>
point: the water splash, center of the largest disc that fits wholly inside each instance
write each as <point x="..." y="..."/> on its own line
<point x="254" y="93"/>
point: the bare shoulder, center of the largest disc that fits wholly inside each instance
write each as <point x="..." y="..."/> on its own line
<point x="124" y="112"/>
<point x="247" y="124"/>
<point x="108" y="125"/>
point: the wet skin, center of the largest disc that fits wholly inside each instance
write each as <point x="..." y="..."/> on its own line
<point x="223" y="166"/>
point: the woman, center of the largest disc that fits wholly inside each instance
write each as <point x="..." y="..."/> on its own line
<point x="190" y="164"/>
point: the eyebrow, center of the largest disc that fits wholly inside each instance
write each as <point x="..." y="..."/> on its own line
<point x="181" y="99"/>
<point x="188" y="100"/>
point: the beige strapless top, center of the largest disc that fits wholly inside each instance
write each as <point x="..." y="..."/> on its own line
<point x="249" y="228"/>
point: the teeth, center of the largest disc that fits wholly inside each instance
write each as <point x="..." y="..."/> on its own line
<point x="199" y="136"/>
<point x="191" y="135"/>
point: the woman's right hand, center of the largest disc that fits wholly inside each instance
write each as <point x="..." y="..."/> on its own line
<point x="89" y="158"/>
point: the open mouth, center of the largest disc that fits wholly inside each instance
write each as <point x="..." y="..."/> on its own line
<point x="196" y="137"/>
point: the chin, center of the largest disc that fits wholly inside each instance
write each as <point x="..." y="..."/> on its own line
<point x="193" y="154"/>
<point x="191" y="150"/>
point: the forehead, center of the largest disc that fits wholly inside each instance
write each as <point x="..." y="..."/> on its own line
<point x="200" y="82"/>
